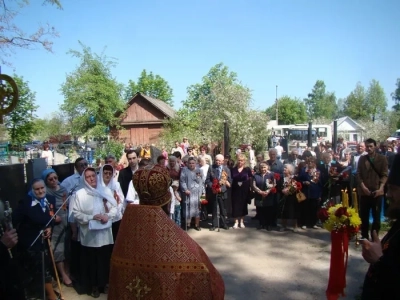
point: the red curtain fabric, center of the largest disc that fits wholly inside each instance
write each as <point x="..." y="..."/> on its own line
<point x="337" y="272"/>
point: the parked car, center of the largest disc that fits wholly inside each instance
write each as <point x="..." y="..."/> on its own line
<point x="70" y="144"/>
<point x="20" y="148"/>
<point x="394" y="136"/>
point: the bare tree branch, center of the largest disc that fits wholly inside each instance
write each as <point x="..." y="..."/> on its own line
<point x="13" y="37"/>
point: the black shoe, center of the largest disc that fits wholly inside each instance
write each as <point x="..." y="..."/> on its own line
<point x="260" y="227"/>
<point x="226" y="227"/>
<point x="95" y="293"/>
<point x="212" y="228"/>
<point x="197" y="228"/>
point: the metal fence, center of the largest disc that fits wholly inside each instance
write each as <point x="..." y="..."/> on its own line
<point x="15" y="178"/>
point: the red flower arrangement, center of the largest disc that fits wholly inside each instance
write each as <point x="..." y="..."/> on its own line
<point x="344" y="175"/>
<point x="277" y="177"/>
<point x="299" y="186"/>
<point x="273" y="190"/>
<point x="323" y="214"/>
<point x="216" y="188"/>
<point x="342" y="222"/>
<point x="333" y="172"/>
<point x="292" y="187"/>
<point x="203" y="200"/>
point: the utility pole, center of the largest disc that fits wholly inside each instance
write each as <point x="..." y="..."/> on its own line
<point x="276" y="104"/>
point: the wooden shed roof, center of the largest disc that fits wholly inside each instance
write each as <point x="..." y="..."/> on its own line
<point x="157" y="103"/>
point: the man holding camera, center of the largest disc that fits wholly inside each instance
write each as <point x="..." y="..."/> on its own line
<point x="372" y="173"/>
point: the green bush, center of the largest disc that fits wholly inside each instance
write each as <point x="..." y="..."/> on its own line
<point x="111" y="147"/>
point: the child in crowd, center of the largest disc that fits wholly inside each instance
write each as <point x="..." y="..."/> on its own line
<point x="176" y="198"/>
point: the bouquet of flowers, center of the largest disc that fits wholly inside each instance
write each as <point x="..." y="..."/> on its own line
<point x="339" y="218"/>
<point x="342" y="222"/>
<point x="333" y="172"/>
<point x="203" y="200"/>
<point x="270" y="185"/>
<point x="277" y="177"/>
<point x="344" y="176"/>
<point x="216" y="188"/>
<point x="314" y="174"/>
<point x="224" y="178"/>
<point x="291" y="187"/>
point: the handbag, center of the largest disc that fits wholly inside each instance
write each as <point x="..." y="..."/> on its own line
<point x="97" y="225"/>
<point x="300" y="196"/>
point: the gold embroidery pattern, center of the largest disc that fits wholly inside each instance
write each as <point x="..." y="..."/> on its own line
<point x="163" y="256"/>
<point x="137" y="287"/>
<point x="160" y="267"/>
<point x="156" y="180"/>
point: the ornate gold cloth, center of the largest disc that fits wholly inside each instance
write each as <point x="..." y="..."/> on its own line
<point x="155" y="259"/>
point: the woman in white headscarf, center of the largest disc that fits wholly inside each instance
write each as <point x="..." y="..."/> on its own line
<point x="106" y="179"/>
<point x="94" y="208"/>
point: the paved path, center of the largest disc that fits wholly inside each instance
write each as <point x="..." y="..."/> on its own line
<point x="258" y="264"/>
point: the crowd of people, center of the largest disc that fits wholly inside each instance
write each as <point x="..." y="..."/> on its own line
<point x="91" y="203"/>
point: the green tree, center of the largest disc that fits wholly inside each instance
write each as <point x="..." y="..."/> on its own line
<point x="219" y="98"/>
<point x="396" y="96"/>
<point x="151" y="85"/>
<point x="55" y="126"/>
<point x="290" y="111"/>
<point x="319" y="103"/>
<point x="354" y="102"/>
<point x="20" y="122"/>
<point x="91" y="95"/>
<point x="200" y="96"/>
<point x="382" y="127"/>
<point x="376" y="100"/>
<point x="13" y="37"/>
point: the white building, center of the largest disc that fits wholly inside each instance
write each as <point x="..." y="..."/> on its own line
<point x="349" y="129"/>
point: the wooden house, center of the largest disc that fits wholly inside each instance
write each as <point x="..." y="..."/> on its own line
<point x="142" y="121"/>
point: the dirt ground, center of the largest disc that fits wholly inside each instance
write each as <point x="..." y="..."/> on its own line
<point x="260" y="264"/>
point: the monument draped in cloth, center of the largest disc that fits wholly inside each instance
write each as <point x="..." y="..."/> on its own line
<point x="153" y="258"/>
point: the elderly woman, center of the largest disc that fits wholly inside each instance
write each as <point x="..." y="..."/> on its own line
<point x="290" y="206"/>
<point x="59" y="239"/>
<point x="106" y="179"/>
<point x="192" y="187"/>
<point x="30" y="217"/>
<point x="241" y="176"/>
<point x="263" y="184"/>
<point x="94" y="208"/>
<point x="173" y="168"/>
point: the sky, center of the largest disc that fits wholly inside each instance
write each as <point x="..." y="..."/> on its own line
<point x="286" y="43"/>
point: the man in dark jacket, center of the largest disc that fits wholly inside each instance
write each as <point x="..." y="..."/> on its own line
<point x="219" y="171"/>
<point x="125" y="175"/>
<point x="372" y="173"/>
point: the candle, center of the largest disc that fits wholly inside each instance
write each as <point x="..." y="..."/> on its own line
<point x="342" y="194"/>
<point x="355" y="200"/>
<point x="345" y="199"/>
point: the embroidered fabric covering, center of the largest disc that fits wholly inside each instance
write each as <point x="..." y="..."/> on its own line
<point x="155" y="259"/>
<point x="152" y="185"/>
